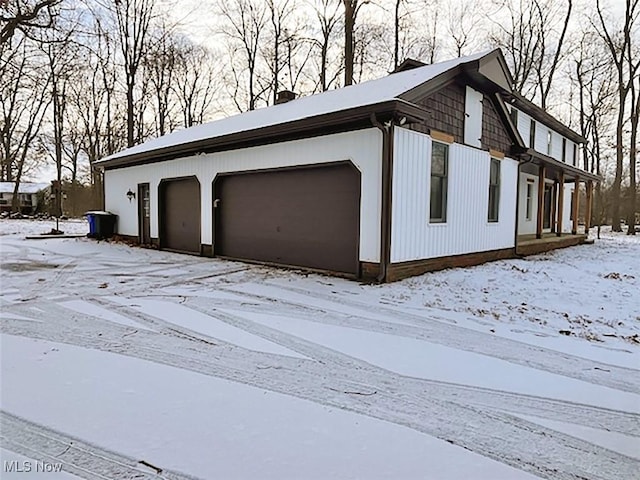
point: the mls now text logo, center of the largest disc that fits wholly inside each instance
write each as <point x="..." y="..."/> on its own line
<point x="15" y="466"/>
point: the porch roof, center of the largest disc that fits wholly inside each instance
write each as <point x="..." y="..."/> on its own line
<point x="571" y="172"/>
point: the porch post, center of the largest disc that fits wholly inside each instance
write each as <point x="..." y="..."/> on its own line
<point x="554" y="206"/>
<point x="576" y="204"/>
<point x="587" y="219"/>
<point x="541" y="175"/>
<point x="560" y="204"/>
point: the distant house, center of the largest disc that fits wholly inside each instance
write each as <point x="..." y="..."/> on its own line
<point x="430" y="167"/>
<point x="28" y="193"/>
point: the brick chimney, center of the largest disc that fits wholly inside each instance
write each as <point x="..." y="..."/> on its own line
<point x="285" y="96"/>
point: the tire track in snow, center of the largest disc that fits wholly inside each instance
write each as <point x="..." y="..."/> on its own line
<point x="461" y="338"/>
<point x="552" y="409"/>
<point x="500" y="436"/>
<point x="78" y="457"/>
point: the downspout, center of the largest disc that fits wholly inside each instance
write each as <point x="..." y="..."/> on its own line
<point x="385" y="217"/>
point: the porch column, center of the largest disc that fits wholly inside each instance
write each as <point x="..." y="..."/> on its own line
<point x="576" y="204"/>
<point x="554" y="206"/>
<point x="541" y="175"/>
<point x="589" y="206"/>
<point x="560" y="203"/>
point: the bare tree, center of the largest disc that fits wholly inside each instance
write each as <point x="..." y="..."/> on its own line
<point x="633" y="148"/>
<point x="160" y="65"/>
<point x="595" y="79"/>
<point x="25" y="15"/>
<point x="245" y="26"/>
<point x="351" y="10"/>
<point x="463" y="22"/>
<point x="279" y="12"/>
<point x="23" y="102"/>
<point x="327" y="13"/>
<point x="532" y="44"/>
<point x="195" y="82"/>
<point x="133" y="19"/>
<point x="617" y="40"/>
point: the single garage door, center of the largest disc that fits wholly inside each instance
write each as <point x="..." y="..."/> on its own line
<point x="307" y="216"/>
<point x="180" y="215"/>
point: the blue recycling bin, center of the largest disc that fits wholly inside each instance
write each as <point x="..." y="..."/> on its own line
<point x="91" y="218"/>
<point x="101" y="224"/>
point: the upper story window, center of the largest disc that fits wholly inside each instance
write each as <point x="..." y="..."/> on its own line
<point x="439" y="180"/>
<point x="564" y="150"/>
<point x="494" y="190"/>
<point x="532" y="134"/>
<point x="575" y="154"/>
<point x="514" y="117"/>
<point x="549" y="142"/>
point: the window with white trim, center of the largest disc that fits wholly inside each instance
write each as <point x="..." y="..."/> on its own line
<point x="494" y="190"/>
<point x="439" y="180"/>
<point x="529" y="205"/>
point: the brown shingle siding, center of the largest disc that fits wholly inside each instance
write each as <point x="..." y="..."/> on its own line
<point x="494" y="133"/>
<point x="446" y="107"/>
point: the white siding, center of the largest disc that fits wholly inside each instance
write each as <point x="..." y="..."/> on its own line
<point x="524" y="127"/>
<point x="467" y="229"/>
<point x="473" y="118"/>
<point x="556" y="145"/>
<point x="567" y="223"/>
<point x="541" y="138"/>
<point x="363" y="148"/>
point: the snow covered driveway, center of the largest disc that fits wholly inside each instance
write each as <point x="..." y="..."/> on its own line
<point x="122" y="362"/>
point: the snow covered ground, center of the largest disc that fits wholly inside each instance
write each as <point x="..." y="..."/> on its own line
<point x="119" y="362"/>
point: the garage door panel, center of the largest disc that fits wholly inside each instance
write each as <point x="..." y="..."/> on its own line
<point x="307" y="217"/>
<point x="180" y="214"/>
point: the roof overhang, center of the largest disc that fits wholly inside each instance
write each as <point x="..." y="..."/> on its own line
<point x="344" y="120"/>
<point x="490" y="72"/>
<point x="541" y="115"/>
<point x="555" y="166"/>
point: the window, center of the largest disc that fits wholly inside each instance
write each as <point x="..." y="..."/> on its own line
<point x="529" y="209"/>
<point x="564" y="150"/>
<point x="494" y="190"/>
<point x="439" y="172"/>
<point x="549" y="142"/>
<point x="514" y="117"/>
<point x="532" y="135"/>
<point x="575" y="154"/>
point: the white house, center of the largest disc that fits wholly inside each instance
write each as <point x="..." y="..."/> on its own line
<point x="427" y="168"/>
<point x="28" y="196"/>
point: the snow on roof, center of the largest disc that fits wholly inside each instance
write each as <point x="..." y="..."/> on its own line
<point x="24" y="187"/>
<point x="366" y="93"/>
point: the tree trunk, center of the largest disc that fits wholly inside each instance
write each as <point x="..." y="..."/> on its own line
<point x="617" y="181"/>
<point x="633" y="151"/>
<point x="350" y="7"/>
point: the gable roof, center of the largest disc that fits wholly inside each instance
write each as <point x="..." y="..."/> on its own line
<point x="24" y="187"/>
<point x="349" y="107"/>
<point x="367" y="94"/>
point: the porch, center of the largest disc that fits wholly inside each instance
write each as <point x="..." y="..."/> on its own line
<point x="531" y="244"/>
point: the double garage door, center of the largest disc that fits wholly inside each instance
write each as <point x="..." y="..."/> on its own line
<point x="306" y="216"/>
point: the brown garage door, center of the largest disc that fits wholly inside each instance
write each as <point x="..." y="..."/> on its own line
<point x="180" y="215"/>
<point x="307" y="217"/>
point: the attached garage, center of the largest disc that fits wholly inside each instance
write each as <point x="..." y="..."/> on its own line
<point x="179" y="202"/>
<point x="303" y="216"/>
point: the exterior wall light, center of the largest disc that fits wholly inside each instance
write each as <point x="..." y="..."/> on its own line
<point x="131" y="195"/>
